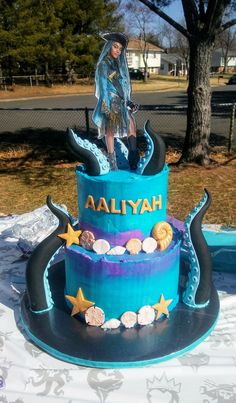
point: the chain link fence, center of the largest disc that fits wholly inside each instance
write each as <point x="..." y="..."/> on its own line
<point x="168" y="121"/>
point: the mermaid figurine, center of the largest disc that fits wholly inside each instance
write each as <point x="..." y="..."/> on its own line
<point x="114" y="111"/>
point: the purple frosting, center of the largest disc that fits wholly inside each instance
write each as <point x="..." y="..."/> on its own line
<point x="177" y="223"/>
<point x="119" y="238"/>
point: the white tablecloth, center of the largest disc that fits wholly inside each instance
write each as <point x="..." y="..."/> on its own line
<point x="27" y="374"/>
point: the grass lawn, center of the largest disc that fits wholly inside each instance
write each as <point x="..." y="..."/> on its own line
<point x="34" y="166"/>
<point x="30" y="170"/>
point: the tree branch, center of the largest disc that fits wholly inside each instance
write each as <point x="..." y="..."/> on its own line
<point x="214" y="12"/>
<point x="228" y="24"/>
<point x="150" y="4"/>
<point x="190" y="13"/>
<point x="202" y="9"/>
<point x="190" y="7"/>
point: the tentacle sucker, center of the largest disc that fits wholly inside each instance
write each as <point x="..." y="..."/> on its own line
<point x="95" y="162"/>
<point x="198" y="287"/>
<point x="154" y="159"/>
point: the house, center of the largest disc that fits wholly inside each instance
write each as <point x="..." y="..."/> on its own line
<point x="135" y="58"/>
<point x="172" y="64"/>
<point x="217" y="62"/>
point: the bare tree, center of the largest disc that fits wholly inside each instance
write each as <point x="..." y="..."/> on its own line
<point x="141" y="20"/>
<point x="155" y="39"/>
<point x="168" y="36"/>
<point x="182" y="48"/>
<point x="227" y="43"/>
<point x="204" y="20"/>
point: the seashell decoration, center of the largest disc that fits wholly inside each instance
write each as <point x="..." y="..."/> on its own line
<point x="117" y="251"/>
<point x="146" y="315"/>
<point x="87" y="240"/>
<point x="101" y="246"/>
<point x="129" y="319"/>
<point x="94" y="316"/>
<point x="134" y="246"/>
<point x="149" y="245"/>
<point x="163" y="234"/>
<point x="111" y="324"/>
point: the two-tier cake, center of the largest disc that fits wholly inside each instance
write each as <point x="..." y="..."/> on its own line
<point x="121" y="269"/>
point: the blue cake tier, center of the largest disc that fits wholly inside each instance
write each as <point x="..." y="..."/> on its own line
<point x="117" y="284"/>
<point x="122" y="204"/>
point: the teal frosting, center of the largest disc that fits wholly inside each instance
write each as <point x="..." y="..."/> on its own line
<point x="117" y="284"/>
<point x="122" y="185"/>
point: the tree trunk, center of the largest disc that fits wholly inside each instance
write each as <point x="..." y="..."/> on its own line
<point x="196" y="144"/>
<point x="1" y="74"/>
<point x="145" y="58"/>
<point x="145" y="73"/>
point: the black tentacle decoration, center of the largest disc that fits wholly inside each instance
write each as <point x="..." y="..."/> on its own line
<point x="88" y="153"/>
<point x="154" y="160"/>
<point x="198" y="287"/>
<point x="36" y="271"/>
<point x="203" y="254"/>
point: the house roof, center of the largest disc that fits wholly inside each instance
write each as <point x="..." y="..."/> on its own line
<point x="231" y="53"/>
<point x="135" y="44"/>
<point x="171" y="58"/>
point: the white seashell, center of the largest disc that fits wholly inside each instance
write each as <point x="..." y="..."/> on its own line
<point x="146" y="315"/>
<point x="134" y="246"/>
<point x="94" y="316"/>
<point x="111" y="324"/>
<point x="117" y="250"/>
<point x="101" y="246"/>
<point x="128" y="319"/>
<point x="149" y="245"/>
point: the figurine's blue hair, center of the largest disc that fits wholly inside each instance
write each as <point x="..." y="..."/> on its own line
<point x="123" y="67"/>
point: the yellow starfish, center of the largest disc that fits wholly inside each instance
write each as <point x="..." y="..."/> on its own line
<point x="161" y="307"/>
<point x="80" y="304"/>
<point x="70" y="236"/>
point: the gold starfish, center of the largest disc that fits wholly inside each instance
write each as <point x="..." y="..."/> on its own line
<point x="80" y="304"/>
<point x="161" y="307"/>
<point x="70" y="236"/>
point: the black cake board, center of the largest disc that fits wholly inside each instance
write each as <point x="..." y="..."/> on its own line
<point x="71" y="340"/>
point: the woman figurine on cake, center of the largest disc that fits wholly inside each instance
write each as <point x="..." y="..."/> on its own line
<point x="113" y="114"/>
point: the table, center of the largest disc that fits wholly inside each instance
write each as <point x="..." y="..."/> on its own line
<point x="27" y="374"/>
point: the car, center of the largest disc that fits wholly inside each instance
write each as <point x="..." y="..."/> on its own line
<point x="232" y="80"/>
<point x="136" y="74"/>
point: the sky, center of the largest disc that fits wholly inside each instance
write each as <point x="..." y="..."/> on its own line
<point x="175" y="11"/>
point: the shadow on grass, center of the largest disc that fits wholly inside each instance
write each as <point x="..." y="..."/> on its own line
<point x="48" y="146"/>
<point x="45" y="145"/>
<point x="35" y="152"/>
<point x="39" y="156"/>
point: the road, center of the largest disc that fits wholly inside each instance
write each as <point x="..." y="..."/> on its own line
<point x="169" y="124"/>
<point x="220" y="94"/>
